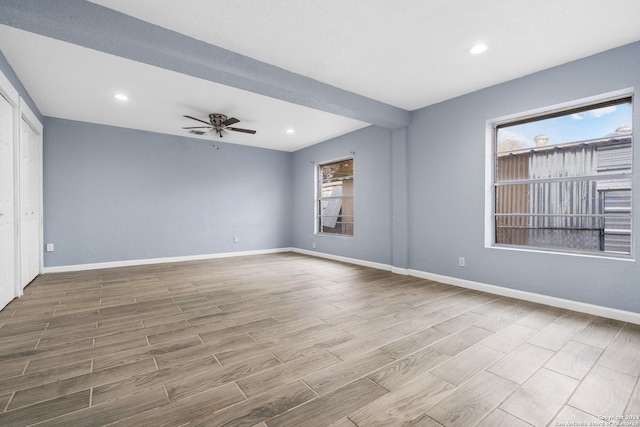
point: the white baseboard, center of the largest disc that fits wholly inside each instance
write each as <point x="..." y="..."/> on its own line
<point x="355" y="261"/>
<point x="148" y="261"/>
<point x="401" y="271"/>
<point x="597" y="310"/>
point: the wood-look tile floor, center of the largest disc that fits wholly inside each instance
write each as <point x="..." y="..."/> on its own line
<point x="291" y="340"/>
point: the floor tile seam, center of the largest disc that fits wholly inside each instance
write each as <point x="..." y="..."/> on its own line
<point x="629" y="399"/>
<point x="22" y="387"/>
<point x="21" y="339"/>
<point x="44" y="401"/>
<point x="566" y="403"/>
<point x="319" y="396"/>
<point x="484" y="370"/>
<point x="498" y="404"/>
<point x="366" y="375"/>
<point x="26" y="366"/>
<point x="420" y="349"/>
<point x="247" y="399"/>
<point x="416" y="377"/>
<point x="479" y="344"/>
<point x="6" y="407"/>
<point x="567" y="375"/>
<point x="507" y="412"/>
<point x="86" y="375"/>
<point x="561" y="407"/>
<point x="597" y="363"/>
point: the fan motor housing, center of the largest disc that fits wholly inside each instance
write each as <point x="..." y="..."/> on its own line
<point x="217" y="119"/>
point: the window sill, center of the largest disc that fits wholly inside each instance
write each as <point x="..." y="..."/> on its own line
<point x="343" y="236"/>
<point x="608" y="256"/>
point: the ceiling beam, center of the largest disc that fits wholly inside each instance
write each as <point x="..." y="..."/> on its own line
<point x="105" y="30"/>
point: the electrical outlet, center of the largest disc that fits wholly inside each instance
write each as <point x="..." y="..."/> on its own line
<point x="313" y="245"/>
<point x="461" y="262"/>
<point x="235" y="239"/>
<point x="49" y="247"/>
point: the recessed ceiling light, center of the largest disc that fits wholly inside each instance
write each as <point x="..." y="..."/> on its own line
<point x="121" y="97"/>
<point x="290" y="131"/>
<point x="479" y="48"/>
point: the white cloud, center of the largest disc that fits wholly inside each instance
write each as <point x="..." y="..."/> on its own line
<point x="506" y="135"/>
<point x="599" y="112"/>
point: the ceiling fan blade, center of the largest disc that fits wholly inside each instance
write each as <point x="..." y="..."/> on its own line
<point x="230" y="121"/>
<point x="193" y="118"/>
<point x="197" y="127"/>
<point x="241" y="130"/>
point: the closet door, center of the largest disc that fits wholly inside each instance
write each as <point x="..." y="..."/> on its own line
<point x="7" y="222"/>
<point x="30" y="200"/>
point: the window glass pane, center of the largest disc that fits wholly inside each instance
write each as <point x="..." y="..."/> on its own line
<point x="336" y="225"/>
<point x="337" y="170"/>
<point x="335" y="198"/>
<point x="511" y="199"/>
<point x="600" y="122"/>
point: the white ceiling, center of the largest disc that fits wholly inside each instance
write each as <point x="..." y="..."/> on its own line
<point x="406" y="53"/>
<point x="80" y="84"/>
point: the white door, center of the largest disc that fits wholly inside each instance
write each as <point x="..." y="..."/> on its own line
<point x="7" y="224"/>
<point x="30" y="166"/>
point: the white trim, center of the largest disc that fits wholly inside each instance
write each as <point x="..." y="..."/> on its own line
<point x="355" y="261"/>
<point x="400" y="271"/>
<point x="30" y="118"/>
<point x="489" y="196"/>
<point x="597" y="310"/>
<point x="8" y="90"/>
<point x="607" y="255"/>
<point x="149" y="261"/>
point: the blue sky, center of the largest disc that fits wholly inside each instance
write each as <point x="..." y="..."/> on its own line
<point x="590" y="124"/>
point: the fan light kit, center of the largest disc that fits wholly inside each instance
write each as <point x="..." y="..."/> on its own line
<point x="218" y="123"/>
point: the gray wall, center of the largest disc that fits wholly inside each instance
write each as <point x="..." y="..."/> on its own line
<point x="446" y="170"/>
<point x="372" y="195"/>
<point x="114" y="194"/>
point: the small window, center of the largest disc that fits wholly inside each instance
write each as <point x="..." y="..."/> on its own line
<point x="563" y="181"/>
<point x="335" y="198"/>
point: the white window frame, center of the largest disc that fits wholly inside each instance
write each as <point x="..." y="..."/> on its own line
<point x="490" y="169"/>
<point x="318" y="193"/>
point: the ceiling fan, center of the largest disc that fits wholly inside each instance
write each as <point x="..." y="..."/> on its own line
<point x="219" y="124"/>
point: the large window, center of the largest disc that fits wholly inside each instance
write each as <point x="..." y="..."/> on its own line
<point x="335" y="198"/>
<point x="563" y="181"/>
